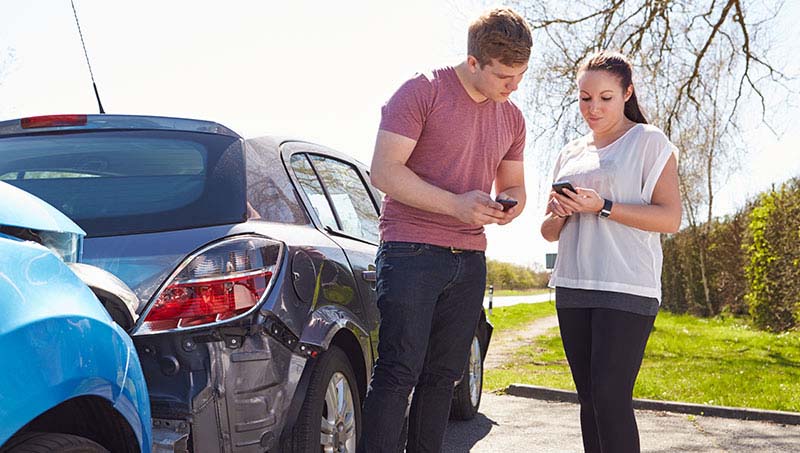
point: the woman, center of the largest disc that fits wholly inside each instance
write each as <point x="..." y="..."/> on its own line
<point x="608" y="273"/>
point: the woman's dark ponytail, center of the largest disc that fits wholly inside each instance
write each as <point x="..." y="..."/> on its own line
<point x="617" y="64"/>
<point x="632" y="110"/>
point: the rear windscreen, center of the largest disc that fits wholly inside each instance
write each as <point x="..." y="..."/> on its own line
<point x="124" y="182"/>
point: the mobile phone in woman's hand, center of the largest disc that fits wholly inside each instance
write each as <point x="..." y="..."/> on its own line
<point x="561" y="185"/>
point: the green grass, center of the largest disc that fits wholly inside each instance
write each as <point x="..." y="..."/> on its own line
<point x="519" y="292"/>
<point x="719" y="361"/>
<point x="517" y="316"/>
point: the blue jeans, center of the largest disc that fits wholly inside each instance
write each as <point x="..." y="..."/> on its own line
<point x="430" y="299"/>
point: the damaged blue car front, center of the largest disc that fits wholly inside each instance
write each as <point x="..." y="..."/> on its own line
<point x="70" y="377"/>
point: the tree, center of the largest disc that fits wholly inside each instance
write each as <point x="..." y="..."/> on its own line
<point x="512" y="276"/>
<point x="696" y="62"/>
<point x="675" y="44"/>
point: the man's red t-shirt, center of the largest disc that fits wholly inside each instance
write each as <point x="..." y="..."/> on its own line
<point x="460" y="144"/>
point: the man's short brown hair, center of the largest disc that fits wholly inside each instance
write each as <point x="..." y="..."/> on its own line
<point x="500" y="34"/>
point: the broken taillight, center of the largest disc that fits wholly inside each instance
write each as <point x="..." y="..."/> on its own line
<point x="220" y="282"/>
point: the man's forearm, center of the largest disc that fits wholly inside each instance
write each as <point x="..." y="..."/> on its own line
<point x="406" y="187"/>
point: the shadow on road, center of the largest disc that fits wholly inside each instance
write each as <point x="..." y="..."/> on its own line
<point x="461" y="436"/>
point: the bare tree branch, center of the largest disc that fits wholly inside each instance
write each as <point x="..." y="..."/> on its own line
<point x="670" y="43"/>
<point x="686" y="87"/>
<point x="545" y="23"/>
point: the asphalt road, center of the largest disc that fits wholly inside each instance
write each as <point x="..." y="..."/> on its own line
<point x="509" y="424"/>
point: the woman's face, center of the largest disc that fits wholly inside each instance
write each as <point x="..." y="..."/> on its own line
<point x="602" y="100"/>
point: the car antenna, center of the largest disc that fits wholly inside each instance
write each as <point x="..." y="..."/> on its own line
<point x="88" y="63"/>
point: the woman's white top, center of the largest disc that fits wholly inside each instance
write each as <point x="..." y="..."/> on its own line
<point x="598" y="253"/>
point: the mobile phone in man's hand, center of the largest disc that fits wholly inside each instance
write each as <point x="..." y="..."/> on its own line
<point x="561" y="185"/>
<point x="507" y="203"/>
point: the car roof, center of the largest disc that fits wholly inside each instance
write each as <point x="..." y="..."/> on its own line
<point x="78" y="122"/>
<point x="296" y="145"/>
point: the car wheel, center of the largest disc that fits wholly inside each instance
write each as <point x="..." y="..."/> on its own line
<point x="50" y="442"/>
<point x="467" y="394"/>
<point x="330" y="419"/>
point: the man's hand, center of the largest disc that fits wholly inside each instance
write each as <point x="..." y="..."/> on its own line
<point x="477" y="208"/>
<point x="512" y="212"/>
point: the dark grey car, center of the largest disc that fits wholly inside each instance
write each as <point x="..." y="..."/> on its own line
<point x="254" y="264"/>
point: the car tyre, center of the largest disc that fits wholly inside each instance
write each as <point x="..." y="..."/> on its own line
<point x="330" y="417"/>
<point x="467" y="394"/>
<point x="50" y="442"/>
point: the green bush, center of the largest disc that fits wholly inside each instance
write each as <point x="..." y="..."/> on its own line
<point x="773" y="265"/>
<point x="512" y="276"/>
<point x="752" y="263"/>
<point x="681" y="280"/>
<point x="727" y="260"/>
<point x="678" y="294"/>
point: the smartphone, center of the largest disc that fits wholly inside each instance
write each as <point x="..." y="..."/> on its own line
<point x="561" y="185"/>
<point x="507" y="204"/>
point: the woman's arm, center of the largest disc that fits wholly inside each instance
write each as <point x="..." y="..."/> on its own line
<point x="551" y="227"/>
<point x="557" y="215"/>
<point x="662" y="215"/>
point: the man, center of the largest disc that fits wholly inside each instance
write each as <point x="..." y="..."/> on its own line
<point x="443" y="139"/>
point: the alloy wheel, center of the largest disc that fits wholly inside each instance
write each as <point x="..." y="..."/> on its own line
<point x="475" y="372"/>
<point x="338" y="434"/>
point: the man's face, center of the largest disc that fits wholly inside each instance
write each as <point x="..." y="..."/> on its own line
<point x="497" y="81"/>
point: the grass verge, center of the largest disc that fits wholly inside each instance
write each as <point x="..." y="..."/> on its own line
<point x="517" y="316"/>
<point x="518" y="292"/>
<point x="718" y="361"/>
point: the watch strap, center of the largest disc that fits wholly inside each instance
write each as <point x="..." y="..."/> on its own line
<point x="606" y="211"/>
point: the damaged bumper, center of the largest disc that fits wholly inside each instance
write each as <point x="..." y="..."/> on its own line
<point x="188" y="376"/>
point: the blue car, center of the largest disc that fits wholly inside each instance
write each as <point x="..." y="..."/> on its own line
<point x="70" y="378"/>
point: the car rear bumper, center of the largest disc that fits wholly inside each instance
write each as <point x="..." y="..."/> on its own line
<point x="222" y="389"/>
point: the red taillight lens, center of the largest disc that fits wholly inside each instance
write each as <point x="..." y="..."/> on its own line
<point x="190" y="304"/>
<point x="52" y="121"/>
<point x="220" y="283"/>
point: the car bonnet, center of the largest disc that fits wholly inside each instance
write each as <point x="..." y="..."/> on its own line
<point x="21" y="209"/>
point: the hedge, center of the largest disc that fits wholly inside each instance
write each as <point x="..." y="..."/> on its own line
<point x="753" y="263"/>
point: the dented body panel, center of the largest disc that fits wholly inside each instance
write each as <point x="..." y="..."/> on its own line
<point x="232" y="385"/>
<point x="59" y="344"/>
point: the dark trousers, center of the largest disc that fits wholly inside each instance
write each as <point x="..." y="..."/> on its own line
<point x="430" y="300"/>
<point x="604" y="348"/>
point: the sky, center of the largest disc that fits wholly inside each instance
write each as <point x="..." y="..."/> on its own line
<point x="315" y="70"/>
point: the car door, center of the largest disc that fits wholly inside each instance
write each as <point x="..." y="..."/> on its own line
<point x="346" y="210"/>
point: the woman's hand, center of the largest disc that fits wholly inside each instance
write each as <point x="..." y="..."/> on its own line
<point x="555" y="207"/>
<point x="558" y="215"/>
<point x="583" y="200"/>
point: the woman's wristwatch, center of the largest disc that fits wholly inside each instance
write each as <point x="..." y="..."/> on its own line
<point x="606" y="211"/>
